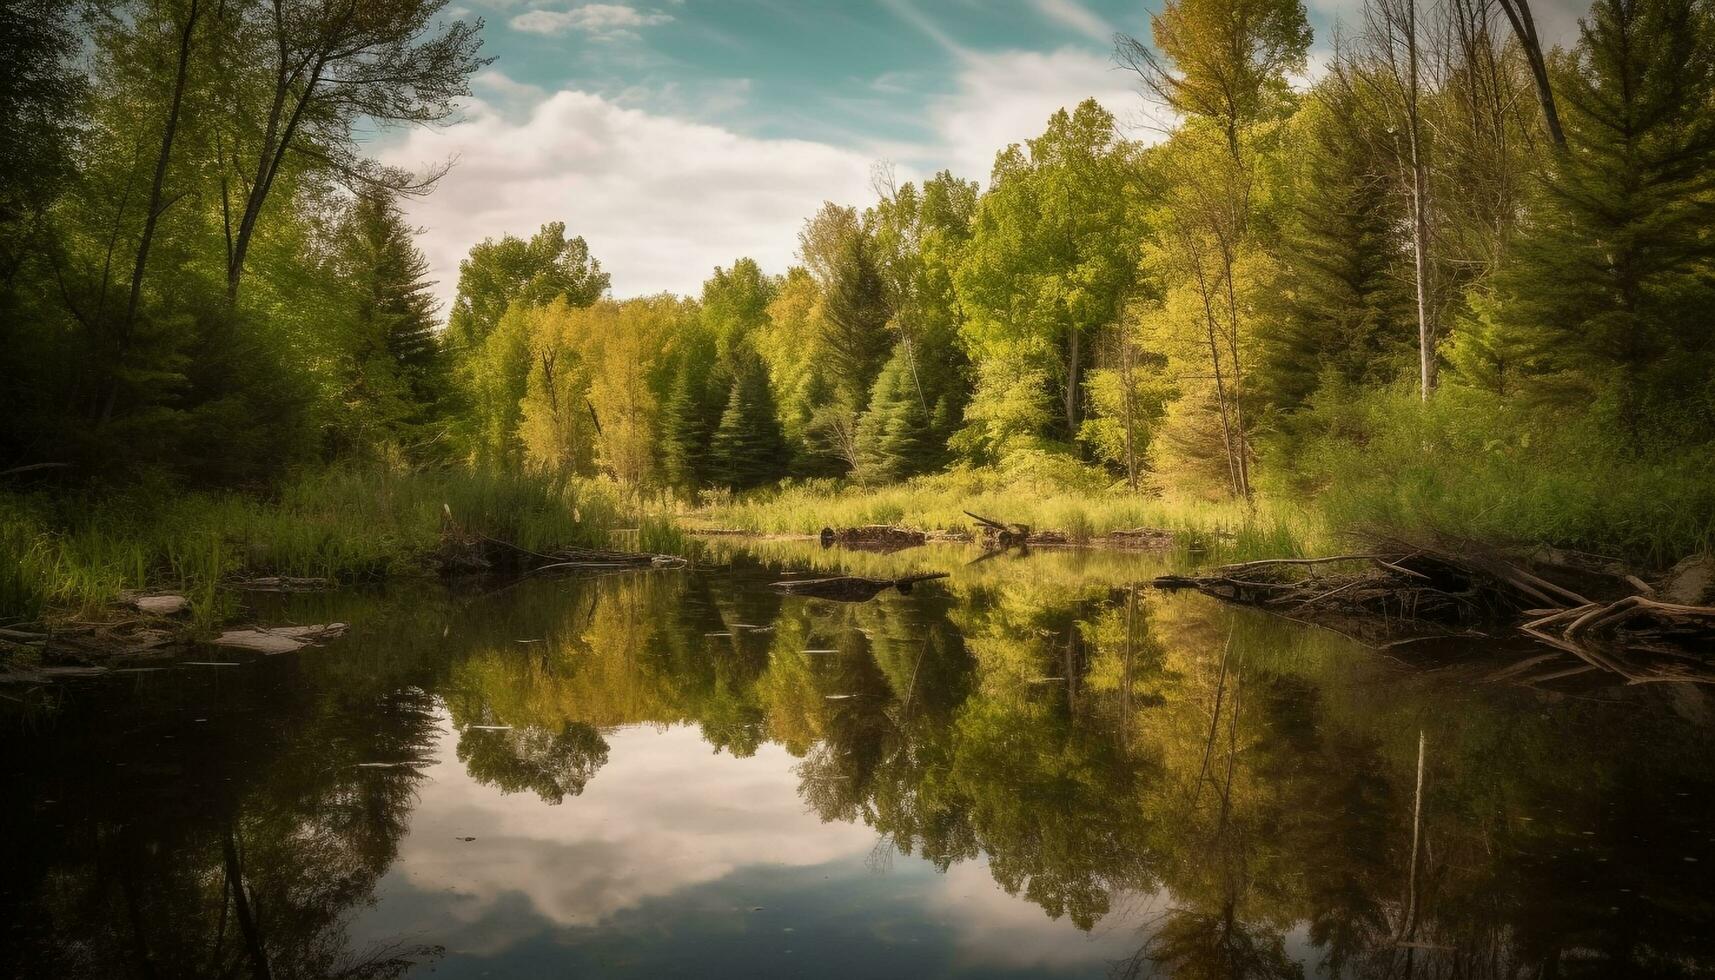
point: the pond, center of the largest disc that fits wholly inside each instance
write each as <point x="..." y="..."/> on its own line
<point x="1034" y="768"/>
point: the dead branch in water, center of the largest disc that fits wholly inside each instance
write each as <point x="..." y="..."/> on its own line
<point x="1627" y="633"/>
<point x="850" y="588"/>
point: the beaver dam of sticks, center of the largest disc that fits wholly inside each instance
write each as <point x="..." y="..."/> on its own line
<point x="1592" y="611"/>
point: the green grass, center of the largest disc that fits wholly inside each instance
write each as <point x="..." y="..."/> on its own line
<point x="1220" y="530"/>
<point x="76" y="554"/>
<point x="1470" y="467"/>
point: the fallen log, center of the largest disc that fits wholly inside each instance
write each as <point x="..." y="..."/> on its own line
<point x="850" y="588"/>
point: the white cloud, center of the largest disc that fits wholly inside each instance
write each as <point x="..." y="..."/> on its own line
<point x="598" y="19"/>
<point x="661" y="200"/>
<point x="1078" y="17"/>
<point x="1005" y="98"/>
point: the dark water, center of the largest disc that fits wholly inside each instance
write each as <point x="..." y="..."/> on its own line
<point x="1029" y="770"/>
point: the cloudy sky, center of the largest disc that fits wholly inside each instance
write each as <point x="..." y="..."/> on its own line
<point x="677" y="135"/>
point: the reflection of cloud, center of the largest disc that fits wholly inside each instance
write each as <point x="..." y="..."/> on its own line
<point x="664" y="814"/>
<point x="992" y="928"/>
<point x="668" y="835"/>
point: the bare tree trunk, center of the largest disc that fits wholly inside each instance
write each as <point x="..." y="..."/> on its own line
<point x="1524" y="28"/>
<point x="157" y="206"/>
<point x="1072" y="373"/>
<point x="1419" y="206"/>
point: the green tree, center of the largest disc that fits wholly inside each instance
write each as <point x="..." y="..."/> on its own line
<point x="747" y="450"/>
<point x="895" y="438"/>
<point x="511" y="270"/>
<point x="1608" y="297"/>
<point x="393" y="374"/>
<point x="1344" y="311"/>
<point x="1052" y="254"/>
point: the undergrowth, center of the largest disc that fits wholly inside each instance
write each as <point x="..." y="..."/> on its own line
<point x="79" y="552"/>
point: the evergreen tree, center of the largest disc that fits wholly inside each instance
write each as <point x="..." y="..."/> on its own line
<point x="1346" y="310"/>
<point x="748" y="450"/>
<point x="1612" y="289"/>
<point x="684" y="432"/>
<point x="393" y="371"/>
<point x="895" y="438"/>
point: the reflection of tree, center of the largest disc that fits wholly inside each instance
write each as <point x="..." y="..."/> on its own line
<point x="1093" y="743"/>
<point x="553" y="765"/>
<point x="237" y="846"/>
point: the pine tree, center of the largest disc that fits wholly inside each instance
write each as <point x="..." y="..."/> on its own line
<point x="895" y="438"/>
<point x="684" y="430"/>
<point x="748" y="449"/>
<point x="394" y="370"/>
<point x="1612" y="289"/>
<point x="1347" y="310"/>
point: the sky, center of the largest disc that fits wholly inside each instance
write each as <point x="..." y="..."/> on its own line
<point x="678" y="135"/>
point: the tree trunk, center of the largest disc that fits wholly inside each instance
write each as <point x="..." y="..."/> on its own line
<point x="157" y="190"/>
<point x="1524" y="28"/>
<point x="1419" y="209"/>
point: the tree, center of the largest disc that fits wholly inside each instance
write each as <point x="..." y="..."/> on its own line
<point x="895" y="438"/>
<point x="687" y="423"/>
<point x="40" y="93"/>
<point x="747" y="450"/>
<point x="1343" y="312"/>
<point x="393" y="373"/>
<point x="501" y="279"/>
<point x="1222" y="60"/>
<point x="1051" y="255"/>
<point x="511" y="270"/>
<point x="1524" y="30"/>
<point x="303" y="74"/>
<point x="1610" y="292"/>
<point x="841" y="254"/>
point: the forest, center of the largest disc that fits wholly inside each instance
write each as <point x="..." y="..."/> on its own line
<point x="1459" y="283"/>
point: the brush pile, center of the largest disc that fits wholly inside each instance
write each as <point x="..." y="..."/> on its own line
<point x="1594" y="611"/>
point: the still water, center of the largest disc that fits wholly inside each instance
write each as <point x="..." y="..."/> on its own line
<point x="1031" y="769"/>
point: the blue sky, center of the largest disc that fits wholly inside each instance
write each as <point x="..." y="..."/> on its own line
<point x="676" y="135"/>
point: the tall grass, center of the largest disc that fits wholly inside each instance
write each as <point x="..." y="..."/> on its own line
<point x="1470" y="466"/>
<point x="78" y="553"/>
<point x="1217" y="529"/>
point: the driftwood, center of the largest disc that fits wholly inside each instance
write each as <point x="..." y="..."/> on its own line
<point x="884" y="538"/>
<point x="998" y="534"/>
<point x="850" y="588"/>
<point x="1624" y="631"/>
<point x="278" y="639"/>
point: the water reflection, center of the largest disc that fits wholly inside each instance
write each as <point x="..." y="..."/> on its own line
<point x="1032" y="768"/>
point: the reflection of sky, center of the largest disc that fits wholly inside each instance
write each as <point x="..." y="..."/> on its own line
<point x="676" y="859"/>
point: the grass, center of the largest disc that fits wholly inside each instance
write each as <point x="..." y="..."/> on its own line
<point x="1470" y="467"/>
<point x="77" y="554"/>
<point x="1223" y="530"/>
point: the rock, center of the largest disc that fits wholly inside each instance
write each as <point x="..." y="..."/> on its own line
<point x="1691" y="582"/>
<point x="278" y="639"/>
<point x="162" y="605"/>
